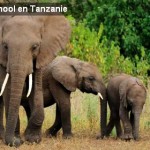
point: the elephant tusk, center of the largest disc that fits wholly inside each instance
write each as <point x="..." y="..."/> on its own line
<point x="30" y="85"/>
<point x="4" y="84"/>
<point x="100" y="95"/>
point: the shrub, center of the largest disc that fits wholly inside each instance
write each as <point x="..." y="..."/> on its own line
<point x="126" y="22"/>
<point x="88" y="45"/>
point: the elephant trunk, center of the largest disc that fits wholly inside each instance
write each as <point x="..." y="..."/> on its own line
<point x="136" y="125"/>
<point x="18" y="76"/>
<point x="103" y="109"/>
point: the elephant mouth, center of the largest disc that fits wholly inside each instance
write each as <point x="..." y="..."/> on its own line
<point x="89" y="90"/>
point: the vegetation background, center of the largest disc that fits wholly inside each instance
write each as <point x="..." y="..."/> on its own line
<point x="115" y="35"/>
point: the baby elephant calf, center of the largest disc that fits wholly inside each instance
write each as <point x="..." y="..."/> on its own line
<point x="126" y="97"/>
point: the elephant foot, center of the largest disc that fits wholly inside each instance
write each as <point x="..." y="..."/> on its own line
<point x="100" y="136"/>
<point x="127" y="137"/>
<point x="17" y="135"/>
<point x="136" y="138"/>
<point x="51" y="132"/>
<point x="67" y="135"/>
<point x="119" y="136"/>
<point x="16" y="142"/>
<point x="33" y="135"/>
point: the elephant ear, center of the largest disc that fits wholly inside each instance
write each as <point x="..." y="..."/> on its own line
<point x="123" y="87"/>
<point x="64" y="72"/>
<point x="55" y="34"/>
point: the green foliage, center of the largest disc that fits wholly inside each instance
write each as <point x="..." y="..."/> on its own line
<point x="126" y="22"/>
<point x="77" y="8"/>
<point x="89" y="46"/>
<point x="147" y="125"/>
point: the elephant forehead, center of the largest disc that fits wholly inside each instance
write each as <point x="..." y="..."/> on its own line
<point x="90" y="67"/>
<point x="21" y="24"/>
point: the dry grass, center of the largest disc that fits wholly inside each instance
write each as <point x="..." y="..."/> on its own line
<point x="85" y="126"/>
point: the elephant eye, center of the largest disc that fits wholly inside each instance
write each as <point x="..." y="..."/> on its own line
<point x="35" y="50"/>
<point x="35" y="46"/>
<point x="5" y="46"/>
<point x="91" y="78"/>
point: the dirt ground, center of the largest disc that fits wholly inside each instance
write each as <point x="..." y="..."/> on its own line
<point x="85" y="130"/>
<point x="84" y="142"/>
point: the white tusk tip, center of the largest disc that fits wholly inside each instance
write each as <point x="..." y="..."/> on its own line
<point x="30" y="85"/>
<point x="4" y="84"/>
<point x="100" y="95"/>
<point x="27" y="96"/>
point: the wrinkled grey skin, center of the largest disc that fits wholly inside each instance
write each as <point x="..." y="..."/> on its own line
<point x="28" y="43"/>
<point x="126" y="97"/>
<point x="63" y="76"/>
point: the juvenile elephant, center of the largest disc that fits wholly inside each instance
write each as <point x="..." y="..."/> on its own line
<point x="126" y="97"/>
<point x="28" y="43"/>
<point x="63" y="76"/>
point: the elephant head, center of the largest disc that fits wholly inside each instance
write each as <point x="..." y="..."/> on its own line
<point x="73" y="73"/>
<point x="133" y="96"/>
<point x="27" y="44"/>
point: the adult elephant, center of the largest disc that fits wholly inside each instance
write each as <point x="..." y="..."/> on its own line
<point x="28" y="43"/>
<point x="126" y="97"/>
<point x="63" y="76"/>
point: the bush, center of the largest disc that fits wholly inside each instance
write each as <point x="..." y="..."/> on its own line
<point x="89" y="46"/>
<point x="126" y="22"/>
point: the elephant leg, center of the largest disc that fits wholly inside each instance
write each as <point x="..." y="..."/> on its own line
<point x="124" y="116"/>
<point x="33" y="130"/>
<point x="118" y="127"/>
<point x="52" y="131"/>
<point x="1" y="118"/>
<point x="64" y="106"/>
<point x="66" y="118"/>
<point x="62" y="97"/>
<point x="132" y="120"/>
<point x="110" y="124"/>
